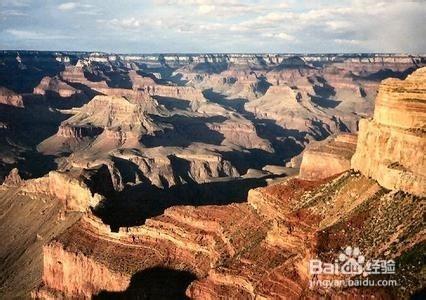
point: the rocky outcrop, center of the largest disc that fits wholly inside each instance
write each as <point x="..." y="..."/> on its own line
<point x="113" y="113"/>
<point x="168" y="168"/>
<point x="139" y="82"/>
<point x="77" y="132"/>
<point x="76" y="274"/>
<point x="241" y="132"/>
<point x="328" y="158"/>
<point x="292" y="109"/>
<point x="183" y="93"/>
<point x="184" y="238"/>
<point x="107" y="122"/>
<point x="71" y="191"/>
<point x="390" y="147"/>
<point x="13" y="179"/>
<point x="28" y="221"/>
<point x="407" y="96"/>
<point x="75" y="74"/>
<point x="308" y="220"/>
<point x="55" y="85"/>
<point x="8" y="97"/>
<point x="203" y="168"/>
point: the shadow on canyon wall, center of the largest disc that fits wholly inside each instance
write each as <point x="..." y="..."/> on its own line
<point x="135" y="204"/>
<point x="26" y="129"/>
<point x="186" y="130"/>
<point x="154" y="283"/>
<point x="286" y="143"/>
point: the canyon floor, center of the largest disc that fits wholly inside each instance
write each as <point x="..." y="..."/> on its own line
<point x="208" y="176"/>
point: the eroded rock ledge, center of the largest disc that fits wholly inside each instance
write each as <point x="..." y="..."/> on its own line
<point x="328" y="158"/>
<point x="71" y="190"/>
<point x="249" y="250"/>
<point x="391" y="147"/>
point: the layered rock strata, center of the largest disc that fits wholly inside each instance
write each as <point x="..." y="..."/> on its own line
<point x="55" y="85"/>
<point x="328" y="158"/>
<point x="71" y="191"/>
<point x="391" y="146"/>
<point x="184" y="238"/>
<point x="263" y="250"/>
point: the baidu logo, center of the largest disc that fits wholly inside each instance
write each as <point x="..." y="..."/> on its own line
<point x="351" y="262"/>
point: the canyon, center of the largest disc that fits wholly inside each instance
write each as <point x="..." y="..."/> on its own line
<point x="217" y="175"/>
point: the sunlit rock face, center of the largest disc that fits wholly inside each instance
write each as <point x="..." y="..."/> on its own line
<point x="8" y="97"/>
<point x="71" y="191"/>
<point x="328" y="158"/>
<point x="55" y="85"/>
<point x="391" y="146"/>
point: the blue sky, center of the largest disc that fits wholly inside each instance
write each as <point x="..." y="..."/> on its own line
<point x="153" y="26"/>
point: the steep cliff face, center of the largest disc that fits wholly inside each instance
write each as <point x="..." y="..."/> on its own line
<point x="184" y="238"/>
<point x="55" y="85"/>
<point x="391" y="146"/>
<point x="73" y="192"/>
<point x="28" y="221"/>
<point x="75" y="74"/>
<point x="328" y="158"/>
<point x="76" y="274"/>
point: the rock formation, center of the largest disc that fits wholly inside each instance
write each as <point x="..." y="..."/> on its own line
<point x="114" y="119"/>
<point x="265" y="248"/>
<point x="8" y="97"/>
<point x="55" y="85"/>
<point x="13" y="179"/>
<point x="328" y="158"/>
<point x="75" y="74"/>
<point x="391" y="146"/>
<point x="71" y="191"/>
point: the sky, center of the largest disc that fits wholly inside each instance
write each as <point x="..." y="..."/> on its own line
<point x="214" y="26"/>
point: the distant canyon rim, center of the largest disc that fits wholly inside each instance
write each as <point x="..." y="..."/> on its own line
<point x="221" y="175"/>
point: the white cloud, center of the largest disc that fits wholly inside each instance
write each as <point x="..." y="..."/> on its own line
<point x="224" y="8"/>
<point x="34" y="35"/>
<point x="285" y="36"/>
<point x="68" y="6"/>
<point x="281" y="35"/>
<point x="347" y="42"/>
<point x="15" y="3"/>
<point x="12" y="13"/>
<point x="205" y="9"/>
<point x="225" y="25"/>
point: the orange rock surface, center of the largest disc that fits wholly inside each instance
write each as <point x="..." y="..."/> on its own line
<point x="328" y="158"/>
<point x="73" y="192"/>
<point x="391" y="147"/>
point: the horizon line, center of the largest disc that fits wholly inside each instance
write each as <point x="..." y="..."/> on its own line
<point x="212" y="53"/>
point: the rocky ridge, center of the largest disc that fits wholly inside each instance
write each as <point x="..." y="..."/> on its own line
<point x="262" y="251"/>
<point x="328" y="158"/>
